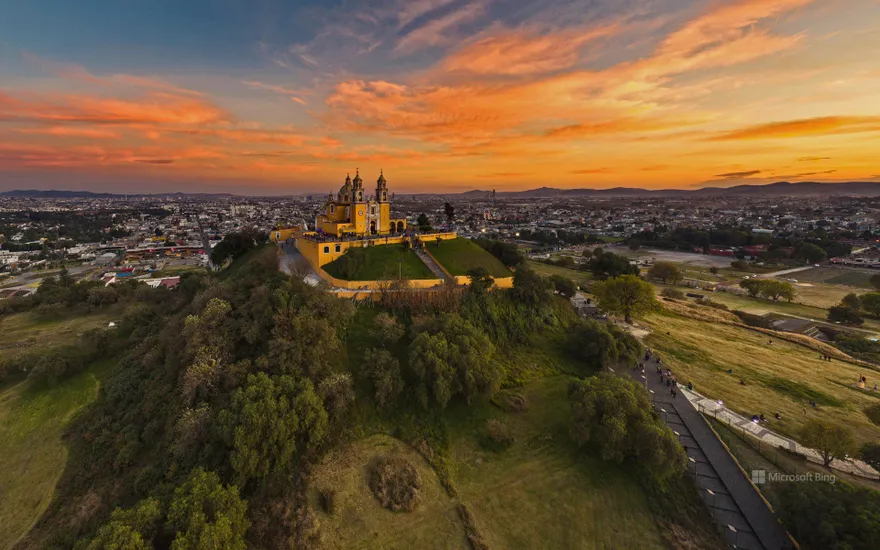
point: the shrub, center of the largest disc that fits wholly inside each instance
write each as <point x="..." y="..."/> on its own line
<point x="672" y="294"/>
<point x="712" y="303"/>
<point x="510" y="401"/>
<point x="600" y="345"/>
<point x="498" y="437"/>
<point x="396" y="484"/>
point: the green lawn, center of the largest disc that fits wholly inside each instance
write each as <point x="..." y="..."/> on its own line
<point x="32" y="453"/>
<point x="542" y="492"/>
<point x="460" y="255"/>
<point x="385" y="262"/>
<point x="47" y="331"/>
<point x="581" y="278"/>
<point x="781" y="377"/>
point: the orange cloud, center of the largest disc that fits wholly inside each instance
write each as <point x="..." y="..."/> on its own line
<point x="520" y="52"/>
<point x="155" y="107"/>
<point x="805" y="128"/>
<point x="69" y="131"/>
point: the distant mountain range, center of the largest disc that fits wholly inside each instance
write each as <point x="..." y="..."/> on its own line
<point x="779" y="189"/>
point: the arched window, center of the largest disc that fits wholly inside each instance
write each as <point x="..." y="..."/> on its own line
<point x="332" y="208"/>
<point x="326" y="250"/>
<point x="338" y="248"/>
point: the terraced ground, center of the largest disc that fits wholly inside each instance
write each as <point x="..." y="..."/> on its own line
<point x="384" y="262"/>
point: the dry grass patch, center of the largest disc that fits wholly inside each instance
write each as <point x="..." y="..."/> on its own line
<point x="781" y="377"/>
<point x="360" y="521"/>
<point x="395" y="483"/>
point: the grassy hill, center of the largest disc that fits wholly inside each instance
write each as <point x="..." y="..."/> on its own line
<point x="581" y="278"/>
<point x="781" y="377"/>
<point x="460" y="255"/>
<point x="540" y="493"/>
<point x="32" y="421"/>
<point x="382" y="262"/>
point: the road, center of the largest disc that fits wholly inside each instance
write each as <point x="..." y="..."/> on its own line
<point x="777" y="274"/>
<point x="743" y="516"/>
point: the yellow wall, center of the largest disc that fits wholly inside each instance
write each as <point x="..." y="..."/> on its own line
<point x="316" y="255"/>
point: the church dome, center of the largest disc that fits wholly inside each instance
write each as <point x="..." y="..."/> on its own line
<point x="346" y="187"/>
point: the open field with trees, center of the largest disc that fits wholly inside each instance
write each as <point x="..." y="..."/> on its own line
<point x="779" y="377"/>
<point x="581" y="278"/>
<point x="375" y="263"/>
<point x="32" y="423"/>
<point x="460" y="255"/>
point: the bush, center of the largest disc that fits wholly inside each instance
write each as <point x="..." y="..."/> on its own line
<point x="497" y="437"/>
<point x="510" y="401"/>
<point x="672" y="294"/>
<point x="712" y="303"/>
<point x="600" y="345"/>
<point x="396" y="484"/>
<point x="845" y="316"/>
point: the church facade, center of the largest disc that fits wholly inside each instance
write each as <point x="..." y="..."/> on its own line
<point x="351" y="213"/>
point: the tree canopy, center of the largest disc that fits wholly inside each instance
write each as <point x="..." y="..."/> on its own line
<point x="607" y="265"/>
<point x="627" y="295"/>
<point x="206" y="514"/>
<point x="667" y="272"/>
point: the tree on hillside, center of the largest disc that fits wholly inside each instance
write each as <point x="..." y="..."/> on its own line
<point x="810" y="253"/>
<point x="132" y="528"/>
<point x="563" y="285"/>
<point x="870" y="453"/>
<point x="851" y="301"/>
<point x="844" y="315"/>
<point x="752" y="286"/>
<point x="871" y="302"/>
<point x="739" y="265"/>
<point x="270" y="422"/>
<point x="481" y="280"/>
<point x="828" y="516"/>
<point x="235" y="245"/>
<point x="634" y="244"/>
<point x="449" y="210"/>
<point x="667" y="272"/>
<point x="387" y="330"/>
<point x="608" y="265"/>
<point x="614" y="413"/>
<point x="875" y="281"/>
<point x="206" y="514"/>
<point x="713" y="270"/>
<point x="830" y="440"/>
<point x="451" y="357"/>
<point x="776" y="289"/>
<point x="382" y="370"/>
<point x="601" y="345"/>
<point x="529" y="287"/>
<point x="627" y="295"/>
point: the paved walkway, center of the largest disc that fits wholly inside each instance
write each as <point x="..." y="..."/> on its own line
<point x="722" y="413"/>
<point x="742" y="515"/>
<point x="783" y="272"/>
<point x="432" y="265"/>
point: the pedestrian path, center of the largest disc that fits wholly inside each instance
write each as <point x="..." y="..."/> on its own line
<point x="722" y="413"/>
<point x="432" y="265"/>
<point x="743" y="517"/>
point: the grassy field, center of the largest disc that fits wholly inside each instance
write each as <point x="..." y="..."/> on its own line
<point x="761" y="306"/>
<point x="44" y="331"/>
<point x="33" y="454"/>
<point x="359" y="521"/>
<point x="781" y="377"/>
<point x="542" y="493"/>
<point x="460" y="255"/>
<point x="581" y="278"/>
<point x="385" y="262"/>
<point x="837" y="276"/>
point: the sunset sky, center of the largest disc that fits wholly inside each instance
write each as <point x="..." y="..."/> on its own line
<point x="280" y="97"/>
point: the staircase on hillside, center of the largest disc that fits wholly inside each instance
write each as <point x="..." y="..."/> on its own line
<point x="432" y="265"/>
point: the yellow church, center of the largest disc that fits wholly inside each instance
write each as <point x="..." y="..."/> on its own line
<point x="350" y="213"/>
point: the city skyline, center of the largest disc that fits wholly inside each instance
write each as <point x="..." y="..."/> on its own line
<point x="444" y="95"/>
